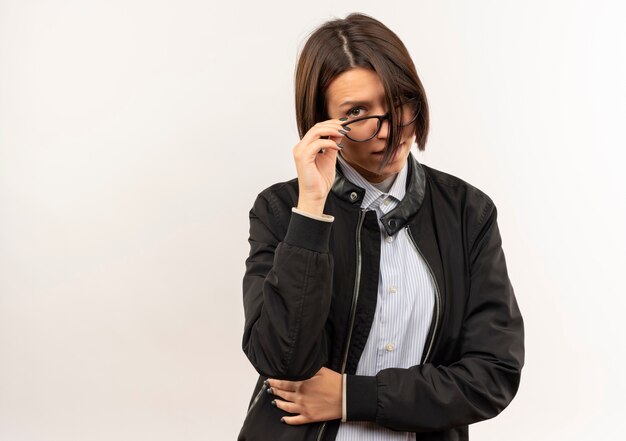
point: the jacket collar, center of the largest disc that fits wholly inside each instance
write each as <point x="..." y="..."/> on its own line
<point x="397" y="218"/>
<point x="372" y="193"/>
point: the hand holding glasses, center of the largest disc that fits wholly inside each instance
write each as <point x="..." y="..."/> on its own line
<point x="316" y="153"/>
<point x="362" y="129"/>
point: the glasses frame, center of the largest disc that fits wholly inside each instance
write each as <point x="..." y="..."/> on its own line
<point x="381" y="118"/>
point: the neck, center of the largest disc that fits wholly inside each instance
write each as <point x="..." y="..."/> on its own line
<point x="385" y="184"/>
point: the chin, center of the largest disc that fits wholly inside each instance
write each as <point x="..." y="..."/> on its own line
<point x="369" y="163"/>
<point x="397" y="161"/>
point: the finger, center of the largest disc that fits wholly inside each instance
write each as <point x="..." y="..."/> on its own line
<point x="314" y="148"/>
<point x="304" y="145"/>
<point x="318" y="131"/>
<point x="296" y="420"/>
<point x="324" y="143"/>
<point x="322" y="151"/>
<point x="339" y="125"/>
<point x="289" y="396"/>
<point x="337" y="147"/>
<point x="337" y="122"/>
<point x="331" y="122"/>
<point x="284" y="384"/>
<point x="287" y="406"/>
<point x="337" y="136"/>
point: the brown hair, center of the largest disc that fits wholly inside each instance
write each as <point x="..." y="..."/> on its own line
<point x="342" y="44"/>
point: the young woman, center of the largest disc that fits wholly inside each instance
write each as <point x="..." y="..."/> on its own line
<point x="376" y="295"/>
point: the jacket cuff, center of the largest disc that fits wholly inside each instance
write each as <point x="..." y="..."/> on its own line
<point x="309" y="233"/>
<point x="323" y="217"/>
<point x="361" y="398"/>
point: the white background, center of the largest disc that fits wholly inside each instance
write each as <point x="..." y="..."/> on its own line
<point x="135" y="135"/>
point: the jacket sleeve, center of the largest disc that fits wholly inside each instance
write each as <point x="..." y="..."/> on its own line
<point x="287" y="290"/>
<point x="481" y="383"/>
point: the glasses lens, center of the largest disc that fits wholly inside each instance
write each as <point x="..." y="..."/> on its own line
<point x="363" y="130"/>
<point x="366" y="129"/>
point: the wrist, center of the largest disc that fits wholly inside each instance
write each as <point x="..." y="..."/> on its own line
<point x="316" y="208"/>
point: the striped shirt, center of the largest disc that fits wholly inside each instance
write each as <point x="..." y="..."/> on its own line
<point x="404" y="307"/>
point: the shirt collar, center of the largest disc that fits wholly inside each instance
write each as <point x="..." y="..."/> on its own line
<point x="397" y="190"/>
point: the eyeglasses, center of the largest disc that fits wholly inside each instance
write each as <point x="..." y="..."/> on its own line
<point x="365" y="128"/>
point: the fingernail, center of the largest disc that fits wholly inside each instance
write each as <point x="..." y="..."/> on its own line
<point x="267" y="383"/>
<point x="269" y="390"/>
<point x="282" y="420"/>
<point x="274" y="403"/>
<point x="343" y="132"/>
<point x="343" y="119"/>
<point x="340" y="146"/>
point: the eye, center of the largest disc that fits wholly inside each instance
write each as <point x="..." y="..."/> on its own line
<point x="352" y="112"/>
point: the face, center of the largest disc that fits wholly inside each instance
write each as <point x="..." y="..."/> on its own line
<point x="365" y="87"/>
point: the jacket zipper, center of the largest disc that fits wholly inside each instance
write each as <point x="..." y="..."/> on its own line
<point x="355" y="297"/>
<point x="437" y="294"/>
<point x="355" y="294"/>
<point x="258" y="395"/>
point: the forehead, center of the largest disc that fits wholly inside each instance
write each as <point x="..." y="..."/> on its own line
<point x="355" y="85"/>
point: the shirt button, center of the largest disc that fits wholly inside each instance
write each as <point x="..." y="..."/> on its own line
<point x="389" y="347"/>
<point x="387" y="201"/>
<point x="393" y="289"/>
<point x="389" y="239"/>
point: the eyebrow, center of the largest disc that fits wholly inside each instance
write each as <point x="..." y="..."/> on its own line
<point x="354" y="102"/>
<point x="351" y="103"/>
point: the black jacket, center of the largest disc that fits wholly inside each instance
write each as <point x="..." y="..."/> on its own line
<point x="310" y="291"/>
